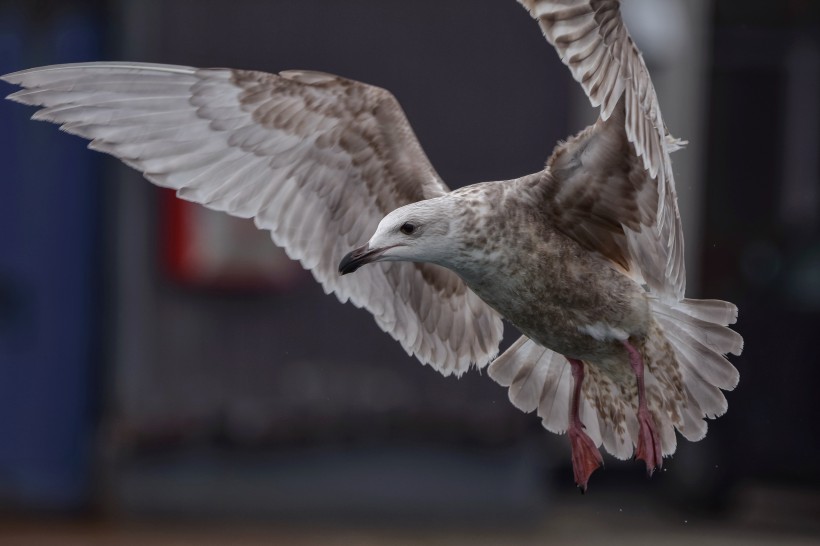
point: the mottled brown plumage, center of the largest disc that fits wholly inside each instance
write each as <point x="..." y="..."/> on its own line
<point x="585" y="257"/>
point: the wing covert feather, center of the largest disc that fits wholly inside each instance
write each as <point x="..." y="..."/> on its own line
<point x="592" y="40"/>
<point x="315" y="159"/>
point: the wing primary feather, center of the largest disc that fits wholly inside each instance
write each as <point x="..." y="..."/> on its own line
<point x="273" y="147"/>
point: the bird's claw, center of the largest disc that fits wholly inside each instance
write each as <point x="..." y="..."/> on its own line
<point x="585" y="456"/>
<point x="648" y="449"/>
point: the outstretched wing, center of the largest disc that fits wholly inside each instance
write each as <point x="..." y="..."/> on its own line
<point x="593" y="42"/>
<point x="315" y="159"/>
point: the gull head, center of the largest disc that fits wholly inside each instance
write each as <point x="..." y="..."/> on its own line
<point x="418" y="232"/>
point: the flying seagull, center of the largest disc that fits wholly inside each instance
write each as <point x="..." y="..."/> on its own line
<point x="585" y="257"/>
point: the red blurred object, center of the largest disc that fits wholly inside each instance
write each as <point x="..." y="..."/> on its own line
<point x="211" y="249"/>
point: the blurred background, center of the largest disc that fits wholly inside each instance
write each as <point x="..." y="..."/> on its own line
<point x="167" y="376"/>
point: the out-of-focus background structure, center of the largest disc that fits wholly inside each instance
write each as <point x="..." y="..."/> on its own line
<point x="167" y="376"/>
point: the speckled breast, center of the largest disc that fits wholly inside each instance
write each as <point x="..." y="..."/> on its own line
<point x="564" y="297"/>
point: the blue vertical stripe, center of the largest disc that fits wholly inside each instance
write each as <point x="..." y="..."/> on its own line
<point x="48" y="290"/>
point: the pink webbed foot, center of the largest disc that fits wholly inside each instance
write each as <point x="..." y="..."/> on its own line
<point x="648" y="449"/>
<point x="649" y="445"/>
<point x="585" y="456"/>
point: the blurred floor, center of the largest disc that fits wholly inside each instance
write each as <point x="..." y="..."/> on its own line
<point x="761" y="515"/>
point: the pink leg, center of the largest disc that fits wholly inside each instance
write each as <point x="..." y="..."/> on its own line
<point x="585" y="456"/>
<point x="649" y="445"/>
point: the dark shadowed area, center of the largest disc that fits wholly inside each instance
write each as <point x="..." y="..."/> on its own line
<point x="168" y="376"/>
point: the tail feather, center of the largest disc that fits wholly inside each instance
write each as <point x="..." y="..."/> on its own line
<point x="693" y="426"/>
<point x="705" y="362"/>
<point x="691" y="336"/>
<point x="710" y="399"/>
<point x="592" y="425"/>
<point x="517" y="373"/>
<point x="537" y="378"/>
<point x="553" y="408"/>
<point x="697" y="333"/>
<point x="714" y="311"/>
<point x="540" y="379"/>
<point x="717" y="337"/>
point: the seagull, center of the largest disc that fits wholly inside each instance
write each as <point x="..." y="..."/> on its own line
<point x="585" y="257"/>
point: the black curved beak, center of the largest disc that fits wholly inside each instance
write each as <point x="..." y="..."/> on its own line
<point x="359" y="257"/>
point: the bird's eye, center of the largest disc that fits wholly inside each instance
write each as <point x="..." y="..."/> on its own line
<point x="407" y="228"/>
